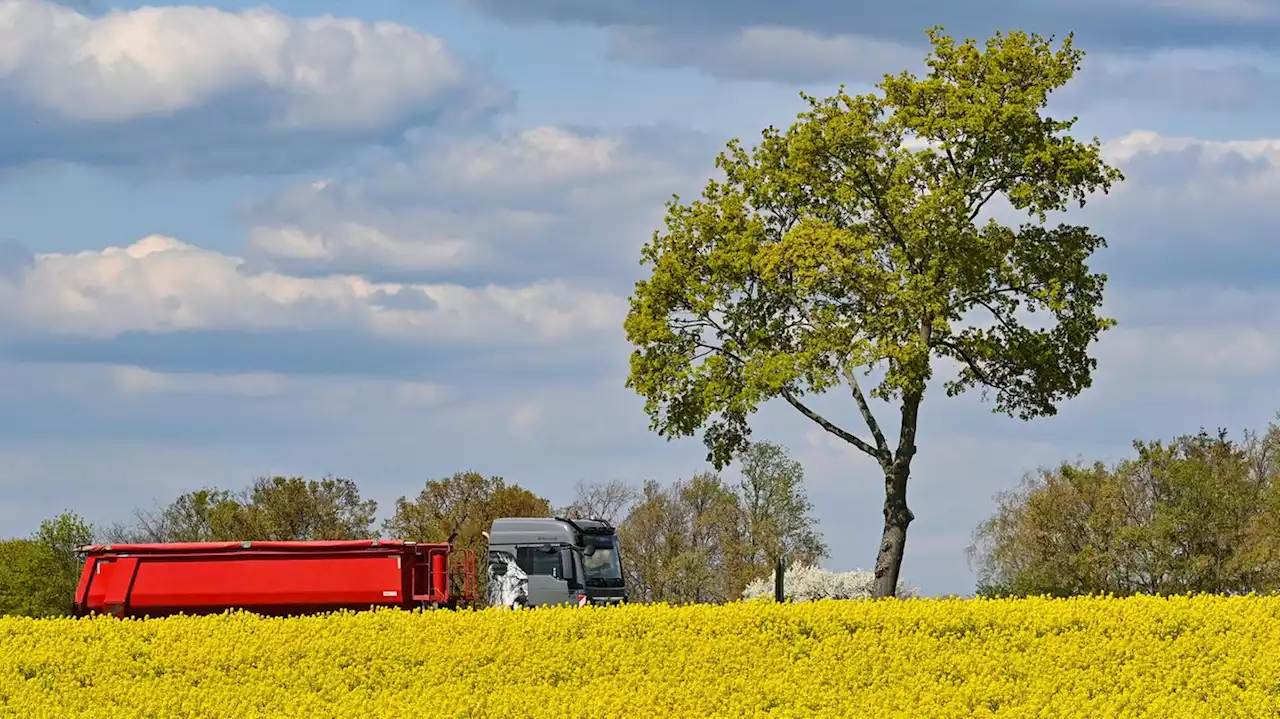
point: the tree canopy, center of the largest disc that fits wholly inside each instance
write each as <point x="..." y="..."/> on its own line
<point x="271" y="508"/>
<point x="704" y="540"/>
<point x="38" y="575"/>
<point x="851" y="243"/>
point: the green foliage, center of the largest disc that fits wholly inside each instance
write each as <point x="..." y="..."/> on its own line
<point x="776" y="520"/>
<point x="20" y="577"/>
<point x="461" y="508"/>
<point x="38" y="575"/>
<point x="1201" y="514"/>
<point x="843" y="243"/>
<point x="293" y="508"/>
<point x="703" y="540"/>
<point x="272" y="508"/>
<point x="851" y="243"/>
<point x="679" y="542"/>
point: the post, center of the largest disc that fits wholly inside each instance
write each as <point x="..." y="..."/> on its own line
<point x="778" y="593"/>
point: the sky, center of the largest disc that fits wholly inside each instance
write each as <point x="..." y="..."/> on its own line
<point x="392" y="240"/>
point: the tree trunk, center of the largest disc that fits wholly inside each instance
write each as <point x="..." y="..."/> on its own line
<point x="897" y="516"/>
<point x="893" y="541"/>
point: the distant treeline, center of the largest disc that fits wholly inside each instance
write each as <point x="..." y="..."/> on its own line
<point x="697" y="540"/>
<point x="1198" y="514"/>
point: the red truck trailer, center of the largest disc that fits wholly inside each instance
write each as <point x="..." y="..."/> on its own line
<point x="273" y="578"/>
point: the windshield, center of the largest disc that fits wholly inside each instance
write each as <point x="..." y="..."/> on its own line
<point x="602" y="568"/>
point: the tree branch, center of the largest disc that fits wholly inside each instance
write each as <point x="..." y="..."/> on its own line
<point x="1004" y="321"/>
<point x="881" y="454"/>
<point x="877" y="203"/>
<point x="827" y="425"/>
<point x="977" y="370"/>
<point x="991" y="294"/>
<point x="861" y="399"/>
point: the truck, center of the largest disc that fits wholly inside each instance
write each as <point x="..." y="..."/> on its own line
<point x="540" y="561"/>
<point x="272" y="578"/>
<point x="548" y="561"/>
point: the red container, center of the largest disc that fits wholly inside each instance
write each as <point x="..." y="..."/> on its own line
<point x="275" y="578"/>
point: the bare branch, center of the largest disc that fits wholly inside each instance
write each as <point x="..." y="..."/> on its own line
<point x="865" y="409"/>
<point x="827" y="425"/>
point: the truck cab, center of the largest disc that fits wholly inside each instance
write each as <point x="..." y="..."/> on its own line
<point x="548" y="561"/>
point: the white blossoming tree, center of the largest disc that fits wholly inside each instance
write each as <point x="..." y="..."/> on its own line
<point x="806" y="583"/>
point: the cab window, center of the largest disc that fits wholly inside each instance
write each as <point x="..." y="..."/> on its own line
<point x="534" y="562"/>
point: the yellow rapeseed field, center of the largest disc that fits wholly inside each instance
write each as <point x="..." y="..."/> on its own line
<point x="1142" y="657"/>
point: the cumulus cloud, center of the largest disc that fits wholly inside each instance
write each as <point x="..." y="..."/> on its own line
<point x="542" y="202"/>
<point x="162" y="285"/>
<point x="1192" y="211"/>
<point x="205" y="88"/>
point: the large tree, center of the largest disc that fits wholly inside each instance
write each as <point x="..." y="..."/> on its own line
<point x="851" y="243"/>
<point x="202" y="515"/>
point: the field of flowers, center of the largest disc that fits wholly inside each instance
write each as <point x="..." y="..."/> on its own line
<point x="1180" y="657"/>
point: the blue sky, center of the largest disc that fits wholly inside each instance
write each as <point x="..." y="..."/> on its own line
<point x="392" y="240"/>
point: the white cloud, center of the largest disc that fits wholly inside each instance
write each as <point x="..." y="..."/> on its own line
<point x="351" y="244"/>
<point x="544" y="201"/>
<point x="1146" y="142"/>
<point x="1183" y="198"/>
<point x="533" y="158"/>
<point x="241" y="76"/>
<point x="1219" y="78"/>
<point x="524" y="419"/>
<point x="160" y="284"/>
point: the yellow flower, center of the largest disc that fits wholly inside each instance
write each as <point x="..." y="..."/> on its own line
<point x="1140" y="657"/>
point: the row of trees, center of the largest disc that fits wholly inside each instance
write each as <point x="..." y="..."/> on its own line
<point x="698" y="540"/>
<point x="1199" y="514"/>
